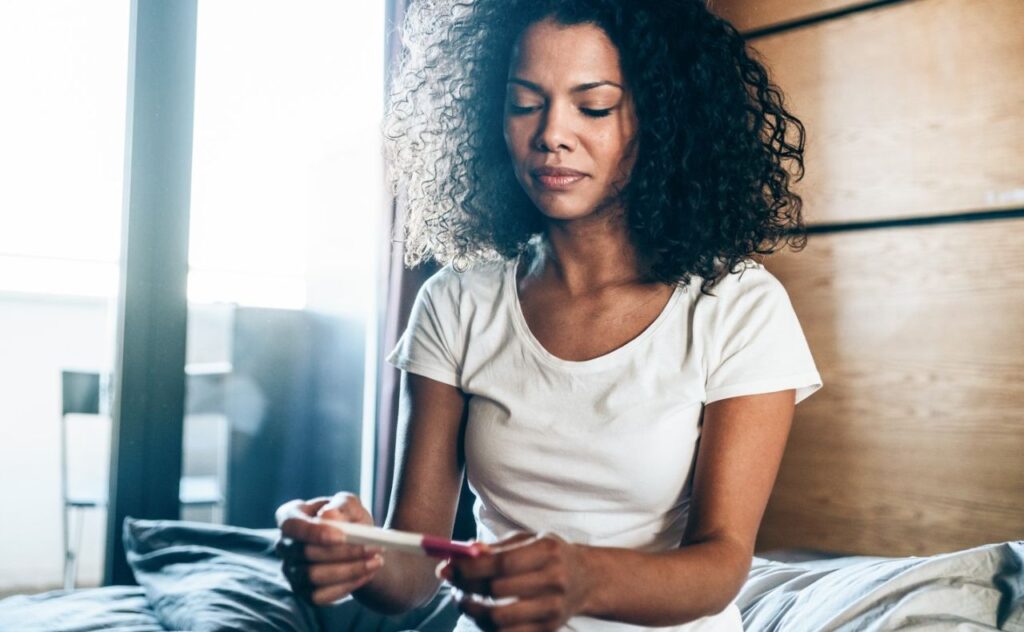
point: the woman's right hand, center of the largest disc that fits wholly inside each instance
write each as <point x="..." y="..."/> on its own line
<point x="317" y="562"/>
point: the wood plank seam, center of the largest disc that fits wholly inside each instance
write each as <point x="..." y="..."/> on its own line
<point x="811" y="20"/>
<point x="927" y="220"/>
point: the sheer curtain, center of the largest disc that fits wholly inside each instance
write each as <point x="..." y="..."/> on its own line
<point x="402" y="285"/>
<point x="398" y="297"/>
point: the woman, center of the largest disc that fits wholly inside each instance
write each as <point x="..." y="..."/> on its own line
<point x="598" y="174"/>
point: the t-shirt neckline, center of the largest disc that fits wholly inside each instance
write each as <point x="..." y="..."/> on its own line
<point x="602" y="361"/>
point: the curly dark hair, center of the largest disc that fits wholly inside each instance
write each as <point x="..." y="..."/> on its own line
<point x="711" y="183"/>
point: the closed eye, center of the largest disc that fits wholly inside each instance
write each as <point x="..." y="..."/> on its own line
<point x="518" y="109"/>
<point x="596" y="113"/>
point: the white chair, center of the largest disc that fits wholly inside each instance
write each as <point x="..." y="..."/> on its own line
<point x="85" y="397"/>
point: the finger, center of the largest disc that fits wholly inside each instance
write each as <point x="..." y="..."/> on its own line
<point x="327" y="574"/>
<point x="472" y="586"/>
<point x="473" y="579"/>
<point x="298" y="525"/>
<point x="527" y="585"/>
<point x="339" y="552"/>
<point x="339" y="501"/>
<point x="297" y="576"/>
<point x="527" y="611"/>
<point x="289" y="550"/>
<point x="313" y="505"/>
<point x="308" y="532"/>
<point x="528" y="555"/>
<point x="330" y="594"/>
<point x="478" y="612"/>
<point x="473" y="568"/>
<point x="298" y="506"/>
<point x="522" y="556"/>
<point x="297" y="552"/>
<point x="344" y="506"/>
<point x="298" y="509"/>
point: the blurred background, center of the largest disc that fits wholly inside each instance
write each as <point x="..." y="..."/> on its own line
<point x="283" y="222"/>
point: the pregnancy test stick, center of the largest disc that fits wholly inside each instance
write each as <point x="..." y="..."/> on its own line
<point x="404" y="541"/>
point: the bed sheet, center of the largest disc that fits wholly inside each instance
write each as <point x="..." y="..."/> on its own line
<point x="116" y="608"/>
<point x="211" y="578"/>
<point x="975" y="589"/>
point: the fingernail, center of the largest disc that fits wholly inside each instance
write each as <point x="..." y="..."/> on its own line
<point x="375" y="562"/>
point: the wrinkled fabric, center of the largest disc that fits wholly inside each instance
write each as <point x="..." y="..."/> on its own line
<point x="118" y="608"/>
<point x="208" y="577"/>
<point x="976" y="589"/>
<point x="213" y="578"/>
<point x="205" y="578"/>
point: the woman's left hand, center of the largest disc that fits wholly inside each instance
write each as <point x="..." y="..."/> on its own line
<point x="544" y="574"/>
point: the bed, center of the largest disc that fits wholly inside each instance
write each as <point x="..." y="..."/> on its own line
<point x="203" y="577"/>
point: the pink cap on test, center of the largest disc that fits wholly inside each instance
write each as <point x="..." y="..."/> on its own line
<point x="440" y="547"/>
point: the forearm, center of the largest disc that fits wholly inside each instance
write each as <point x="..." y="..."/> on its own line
<point x="404" y="582"/>
<point x="428" y="476"/>
<point x="660" y="589"/>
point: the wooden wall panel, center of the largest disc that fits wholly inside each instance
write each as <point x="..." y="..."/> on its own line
<point x="748" y="15"/>
<point x="912" y="109"/>
<point x="915" y="445"/>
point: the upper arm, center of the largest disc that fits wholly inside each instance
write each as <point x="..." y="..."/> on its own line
<point x="431" y="410"/>
<point x="428" y="471"/>
<point x="740" y="449"/>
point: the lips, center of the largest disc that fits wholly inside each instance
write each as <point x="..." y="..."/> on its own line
<point x="557" y="178"/>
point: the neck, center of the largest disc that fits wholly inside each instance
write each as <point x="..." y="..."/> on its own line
<point x="586" y="255"/>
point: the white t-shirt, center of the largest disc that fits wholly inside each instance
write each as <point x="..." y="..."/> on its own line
<point x="601" y="451"/>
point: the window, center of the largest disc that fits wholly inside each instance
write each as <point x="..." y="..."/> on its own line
<point x="62" y="126"/>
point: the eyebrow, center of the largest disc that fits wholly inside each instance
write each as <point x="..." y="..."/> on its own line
<point x="580" y="88"/>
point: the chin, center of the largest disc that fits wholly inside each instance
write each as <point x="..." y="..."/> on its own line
<point x="563" y="209"/>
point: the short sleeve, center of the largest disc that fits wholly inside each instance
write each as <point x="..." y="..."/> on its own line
<point x="428" y="346"/>
<point x="754" y="342"/>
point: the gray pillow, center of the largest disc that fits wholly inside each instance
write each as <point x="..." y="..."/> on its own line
<point x="209" y="578"/>
<point x="975" y="589"/>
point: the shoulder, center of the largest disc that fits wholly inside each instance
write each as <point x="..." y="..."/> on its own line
<point x="487" y="272"/>
<point x="749" y="276"/>
<point x="750" y="286"/>
<point x="478" y="282"/>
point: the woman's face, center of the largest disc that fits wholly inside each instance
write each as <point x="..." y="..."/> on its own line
<point x="569" y="119"/>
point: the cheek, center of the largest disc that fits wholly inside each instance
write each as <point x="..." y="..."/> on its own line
<point x="609" y="149"/>
<point x="618" y="138"/>
<point x="516" y="139"/>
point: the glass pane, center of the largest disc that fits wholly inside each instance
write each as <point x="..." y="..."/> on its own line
<point x="286" y="201"/>
<point x="63" y="67"/>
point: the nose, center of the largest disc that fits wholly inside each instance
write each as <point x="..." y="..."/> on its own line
<point x="555" y="133"/>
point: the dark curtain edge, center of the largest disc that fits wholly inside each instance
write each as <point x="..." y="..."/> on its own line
<point x="401" y="287"/>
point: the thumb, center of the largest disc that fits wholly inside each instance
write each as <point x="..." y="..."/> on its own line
<point x="312" y="507"/>
<point x="299" y="509"/>
<point x="345" y="507"/>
